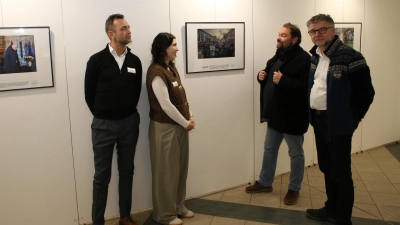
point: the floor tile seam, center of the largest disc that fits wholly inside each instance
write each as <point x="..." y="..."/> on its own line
<point x="389" y="180"/>
<point x="248" y="213"/>
<point x="212" y="220"/>
<point x="315" y="186"/>
<point x="376" y="181"/>
<point x="392" y="156"/>
<point x="388" y="222"/>
<point x="376" y="205"/>
<point x="246" y="217"/>
<point x="389" y="148"/>
<point x="397" y="192"/>
<point x="369" y="212"/>
<point x="356" y="207"/>
<point x="369" y="193"/>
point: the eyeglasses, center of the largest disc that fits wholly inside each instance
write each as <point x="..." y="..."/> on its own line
<point x="322" y="30"/>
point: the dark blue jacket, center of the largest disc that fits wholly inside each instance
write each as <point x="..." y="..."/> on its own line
<point x="11" y="61"/>
<point x="349" y="87"/>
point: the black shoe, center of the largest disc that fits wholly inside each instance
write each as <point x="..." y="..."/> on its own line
<point x="320" y="214"/>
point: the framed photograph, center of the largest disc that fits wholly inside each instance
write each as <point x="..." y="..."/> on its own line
<point x="214" y="46"/>
<point x="350" y="34"/>
<point x="25" y="58"/>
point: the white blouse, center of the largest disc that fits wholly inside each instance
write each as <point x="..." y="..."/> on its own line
<point x="161" y="93"/>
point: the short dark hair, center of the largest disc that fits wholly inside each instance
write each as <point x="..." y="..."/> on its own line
<point x="110" y="21"/>
<point x="158" y="49"/>
<point x="321" y="17"/>
<point x="294" y="31"/>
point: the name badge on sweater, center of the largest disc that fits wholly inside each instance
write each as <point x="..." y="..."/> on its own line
<point x="175" y="83"/>
<point x="131" y="70"/>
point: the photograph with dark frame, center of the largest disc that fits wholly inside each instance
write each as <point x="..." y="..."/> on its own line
<point x="17" y="54"/>
<point x="350" y="33"/>
<point x="25" y="58"/>
<point x="216" y="43"/>
<point x="346" y="34"/>
<point x="214" y="46"/>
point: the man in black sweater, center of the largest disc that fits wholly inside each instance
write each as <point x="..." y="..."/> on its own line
<point x="113" y="82"/>
<point x="283" y="99"/>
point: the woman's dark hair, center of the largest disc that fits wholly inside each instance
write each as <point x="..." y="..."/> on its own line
<point x="158" y="49"/>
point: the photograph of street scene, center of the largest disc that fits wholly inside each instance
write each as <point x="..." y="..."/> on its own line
<point x="346" y="34"/>
<point x="215" y="43"/>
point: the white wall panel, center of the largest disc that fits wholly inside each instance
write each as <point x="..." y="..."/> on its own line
<point x="269" y="16"/>
<point x="1" y="18"/>
<point x="36" y="165"/>
<point x="353" y="11"/>
<point x="222" y="104"/>
<point x="84" y="36"/>
<point x="334" y="8"/>
<point x="38" y="160"/>
<point x="380" y="37"/>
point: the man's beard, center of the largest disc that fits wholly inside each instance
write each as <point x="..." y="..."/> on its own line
<point x="125" y="41"/>
<point x="282" y="48"/>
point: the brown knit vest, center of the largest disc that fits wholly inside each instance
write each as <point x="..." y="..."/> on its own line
<point x="176" y="93"/>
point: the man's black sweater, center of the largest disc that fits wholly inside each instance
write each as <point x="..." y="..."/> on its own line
<point x="111" y="93"/>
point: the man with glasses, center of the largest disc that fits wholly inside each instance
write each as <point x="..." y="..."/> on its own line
<point x="340" y="94"/>
<point x="283" y="99"/>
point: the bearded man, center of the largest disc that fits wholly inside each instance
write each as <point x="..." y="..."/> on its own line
<point x="283" y="100"/>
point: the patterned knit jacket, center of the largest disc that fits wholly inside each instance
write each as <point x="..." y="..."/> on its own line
<point x="349" y="87"/>
<point x="176" y="93"/>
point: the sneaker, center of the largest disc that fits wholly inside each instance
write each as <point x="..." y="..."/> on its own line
<point x="320" y="214"/>
<point x="291" y="197"/>
<point x="189" y="214"/>
<point x="176" y="221"/>
<point x="257" y="187"/>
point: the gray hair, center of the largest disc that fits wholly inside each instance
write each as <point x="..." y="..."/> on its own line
<point x="321" y="17"/>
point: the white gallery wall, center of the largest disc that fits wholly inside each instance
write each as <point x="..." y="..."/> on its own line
<point x="36" y="157"/>
<point x="46" y="160"/>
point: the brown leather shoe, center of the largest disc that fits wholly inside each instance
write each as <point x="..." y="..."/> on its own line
<point x="127" y="221"/>
<point x="257" y="187"/>
<point x="291" y="197"/>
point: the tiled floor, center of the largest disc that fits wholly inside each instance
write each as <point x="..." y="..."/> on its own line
<point x="376" y="175"/>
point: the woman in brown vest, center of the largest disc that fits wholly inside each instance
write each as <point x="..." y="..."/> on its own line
<point x="170" y="122"/>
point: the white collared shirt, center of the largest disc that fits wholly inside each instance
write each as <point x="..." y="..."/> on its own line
<point x="319" y="89"/>
<point x="120" y="59"/>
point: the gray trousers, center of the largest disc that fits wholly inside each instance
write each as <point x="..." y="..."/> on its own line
<point x="169" y="152"/>
<point x="105" y="134"/>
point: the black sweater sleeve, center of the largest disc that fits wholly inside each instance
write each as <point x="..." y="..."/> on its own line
<point x="90" y="83"/>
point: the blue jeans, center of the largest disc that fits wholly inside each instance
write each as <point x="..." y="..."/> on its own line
<point x="273" y="140"/>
